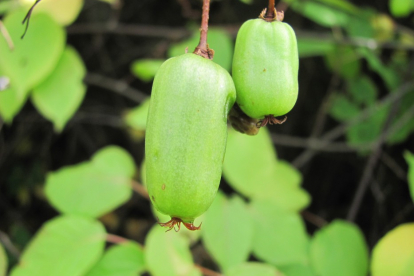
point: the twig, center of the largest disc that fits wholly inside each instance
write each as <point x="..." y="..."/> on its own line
<point x="206" y="271"/>
<point x="187" y="11"/>
<point x="341" y="129"/>
<point x="98" y="119"/>
<point x="370" y="166"/>
<point x="179" y="33"/>
<point x="134" y="30"/>
<point x="377" y="192"/>
<point x="311" y="143"/>
<point x="393" y="166"/>
<point x="323" y="109"/>
<point x="5" y="240"/>
<point x="399" y="217"/>
<point x="139" y="188"/>
<point x="116" y="86"/>
<point x="6" y="36"/>
<point x="314" y="219"/>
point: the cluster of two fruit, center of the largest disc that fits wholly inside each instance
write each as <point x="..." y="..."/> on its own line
<point x="187" y="120"/>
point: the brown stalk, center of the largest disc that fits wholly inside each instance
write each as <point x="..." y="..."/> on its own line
<point x="202" y="49"/>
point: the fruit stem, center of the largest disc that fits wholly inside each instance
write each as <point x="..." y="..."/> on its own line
<point x="270" y="13"/>
<point x="202" y="49"/>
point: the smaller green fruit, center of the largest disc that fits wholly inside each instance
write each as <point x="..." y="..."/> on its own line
<point x="265" y="69"/>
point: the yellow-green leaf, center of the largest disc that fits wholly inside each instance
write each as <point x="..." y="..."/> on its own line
<point x="63" y="11"/>
<point x="394" y="252"/>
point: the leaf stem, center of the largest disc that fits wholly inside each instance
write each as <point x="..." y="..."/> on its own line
<point x="115" y="239"/>
<point x="139" y="188"/>
<point x="202" y="49"/>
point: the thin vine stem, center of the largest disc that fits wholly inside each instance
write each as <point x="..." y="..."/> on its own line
<point x="202" y="49"/>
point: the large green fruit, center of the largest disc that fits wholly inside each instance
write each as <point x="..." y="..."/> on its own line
<point x="186" y="135"/>
<point x="265" y="68"/>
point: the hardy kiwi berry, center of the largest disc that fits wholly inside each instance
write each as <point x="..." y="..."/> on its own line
<point x="186" y="136"/>
<point x="265" y="68"/>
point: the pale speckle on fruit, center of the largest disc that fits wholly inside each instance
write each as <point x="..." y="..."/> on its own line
<point x="163" y="187"/>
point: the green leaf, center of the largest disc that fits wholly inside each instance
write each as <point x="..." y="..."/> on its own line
<point x="145" y="69"/>
<point x="362" y="24"/>
<point x="389" y="75"/>
<point x="63" y="11"/>
<point x="126" y="259"/>
<point x="297" y="270"/>
<point x="136" y="118"/>
<point x="363" y="90"/>
<point x="64" y="246"/>
<point x="251" y="168"/>
<point x="368" y="130"/>
<point x="401" y="134"/>
<point x="401" y="8"/>
<point x="227" y="231"/>
<point x="218" y="40"/>
<point x="279" y="236"/>
<point x="309" y="47"/>
<point x="322" y="14"/>
<point x="246" y="1"/>
<point x="92" y="188"/>
<point x="344" y="60"/>
<point x="394" y="253"/>
<point x="58" y="97"/>
<point x="343" y="109"/>
<point x="3" y="261"/>
<point x="11" y="103"/>
<point x="32" y="60"/>
<point x="409" y="158"/>
<point x="168" y="254"/>
<point x="6" y="6"/>
<point x="253" y="268"/>
<point x="339" y="249"/>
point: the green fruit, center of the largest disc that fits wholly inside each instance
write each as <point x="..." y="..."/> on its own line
<point x="186" y="136"/>
<point x="265" y="68"/>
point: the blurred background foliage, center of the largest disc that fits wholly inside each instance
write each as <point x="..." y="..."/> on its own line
<point x="329" y="192"/>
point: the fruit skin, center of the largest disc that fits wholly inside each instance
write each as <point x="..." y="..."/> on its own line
<point x="265" y="68"/>
<point x="186" y="135"/>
